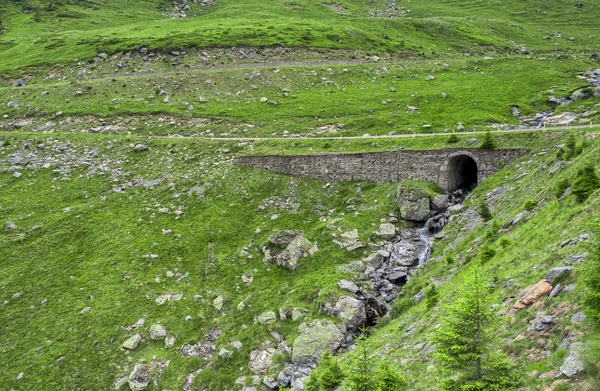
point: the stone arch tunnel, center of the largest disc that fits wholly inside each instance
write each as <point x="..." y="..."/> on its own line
<point x="449" y="168"/>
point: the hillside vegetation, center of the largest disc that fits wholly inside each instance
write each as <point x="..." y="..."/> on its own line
<point x="134" y="250"/>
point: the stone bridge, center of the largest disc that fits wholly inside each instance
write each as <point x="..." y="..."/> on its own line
<point x="449" y="168"/>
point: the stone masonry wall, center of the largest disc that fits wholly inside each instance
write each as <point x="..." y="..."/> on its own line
<point x="430" y="165"/>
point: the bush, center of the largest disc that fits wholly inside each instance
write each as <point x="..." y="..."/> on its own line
<point x="401" y="305"/>
<point x="585" y="183"/>
<point x="488" y="141"/>
<point x="388" y="380"/>
<point x="562" y="186"/>
<point x="504" y="242"/>
<point x="449" y="260"/>
<point x="432" y="296"/>
<point x="452" y="139"/>
<point x="529" y="204"/>
<point x="486" y="254"/>
<point x="484" y="211"/>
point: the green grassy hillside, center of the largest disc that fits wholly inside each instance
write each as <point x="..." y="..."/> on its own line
<point x="106" y="228"/>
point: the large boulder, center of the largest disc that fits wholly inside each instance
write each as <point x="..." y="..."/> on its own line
<point x="314" y="340"/>
<point x="351" y="311"/>
<point x="286" y="248"/>
<point x="439" y="203"/>
<point x="413" y="203"/>
<point x="532" y="293"/>
<point x="573" y="363"/>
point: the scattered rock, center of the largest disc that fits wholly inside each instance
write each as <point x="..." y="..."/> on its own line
<point x="10" y="226"/>
<point x="532" y="293"/>
<point x="224" y="353"/>
<point x="349" y="240"/>
<point x="573" y="363"/>
<point x="386" y="231"/>
<point x="157" y="332"/>
<point x="578" y="317"/>
<point x="314" y="340"/>
<point x="132" y="342"/>
<point x="261" y="360"/>
<point x="267" y="318"/>
<point x="351" y="311"/>
<point x="558" y="274"/>
<point x="138" y="379"/>
<point x="141" y="147"/>
<point x="170" y="341"/>
<point x="286" y="248"/>
<point x="348" y="286"/>
<point x="218" y="303"/>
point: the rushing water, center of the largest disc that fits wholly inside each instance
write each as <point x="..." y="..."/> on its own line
<point x="424" y="234"/>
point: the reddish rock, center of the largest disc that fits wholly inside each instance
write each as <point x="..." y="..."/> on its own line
<point x="532" y="293"/>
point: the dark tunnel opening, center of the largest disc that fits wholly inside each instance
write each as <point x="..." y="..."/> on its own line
<point x="462" y="173"/>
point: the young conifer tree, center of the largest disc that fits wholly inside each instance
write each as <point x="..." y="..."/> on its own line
<point x="465" y="341"/>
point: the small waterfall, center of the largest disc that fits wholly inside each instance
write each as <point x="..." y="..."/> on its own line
<point x="424" y="234"/>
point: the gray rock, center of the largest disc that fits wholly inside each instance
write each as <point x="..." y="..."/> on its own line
<point x="375" y="260"/>
<point x="267" y="318"/>
<point x="556" y="290"/>
<point x="573" y="363"/>
<point x="141" y="147"/>
<point x="12" y="105"/>
<point x="138" y="379"/>
<point x="224" y="353"/>
<point x="348" y="286"/>
<point x="413" y="203"/>
<point x="559" y="165"/>
<point x="386" y="231"/>
<point x="9" y="226"/>
<point x="439" y="203"/>
<point x="282" y="239"/>
<point x="557" y="274"/>
<point x="271" y="383"/>
<point x="285" y="376"/>
<point x="132" y="342"/>
<point x="218" y="303"/>
<point x="297" y="248"/>
<point x="351" y="311"/>
<point x="578" y="317"/>
<point x="404" y="253"/>
<point x="261" y="360"/>
<point x="581" y="94"/>
<point x="314" y="340"/>
<point x="19" y="83"/>
<point x="157" y="332"/>
<point x="170" y="341"/>
<point x="349" y="240"/>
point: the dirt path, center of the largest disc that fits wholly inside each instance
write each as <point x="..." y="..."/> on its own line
<point x="278" y="64"/>
<point x="367" y="137"/>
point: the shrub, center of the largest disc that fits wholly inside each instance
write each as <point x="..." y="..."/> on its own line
<point x="585" y="183"/>
<point x="529" y="204"/>
<point x="562" y="186"/>
<point x="401" y="305"/>
<point x="388" y="380"/>
<point x="488" y="141"/>
<point x="486" y="254"/>
<point x="432" y="296"/>
<point x="452" y="139"/>
<point x="449" y="260"/>
<point x="504" y="242"/>
<point x="484" y="211"/>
